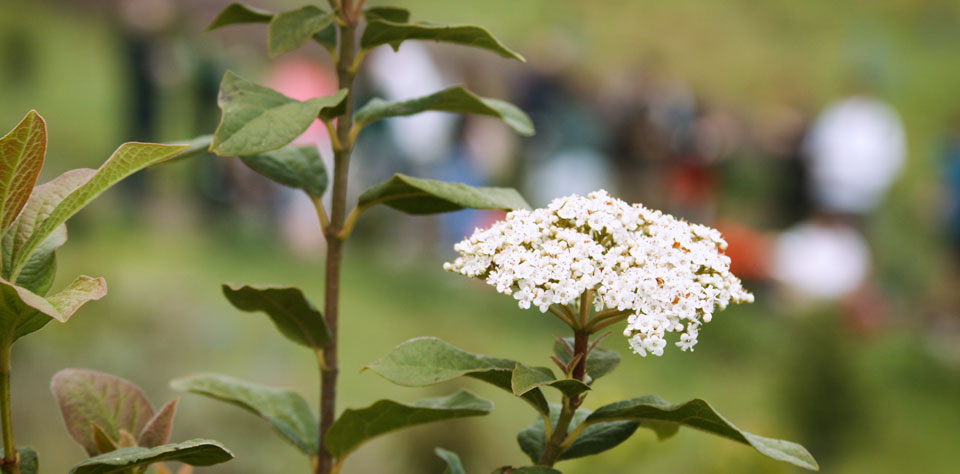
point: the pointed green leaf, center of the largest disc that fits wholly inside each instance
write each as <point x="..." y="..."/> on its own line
<point x="157" y="430"/>
<point x="355" y="427"/>
<point x="286" y="410"/>
<point x="427" y="360"/>
<point x="600" y="361"/>
<point x="393" y="14"/>
<point x="126" y="160"/>
<point x="454" y="466"/>
<point x="88" y="398"/>
<point x="290" y="311"/>
<point x="427" y="196"/>
<point x="526" y="470"/>
<point x="23" y="312"/>
<point x="526" y="378"/>
<point x="381" y="31"/>
<point x="327" y="38"/>
<point x="297" y="167"/>
<point x="290" y="29"/>
<point x="699" y="414"/>
<point x="28" y="460"/>
<point x="236" y="13"/>
<point x="456" y="100"/>
<point x="594" y="439"/>
<point x="257" y="119"/>
<point x="21" y="158"/>
<point x="196" y="452"/>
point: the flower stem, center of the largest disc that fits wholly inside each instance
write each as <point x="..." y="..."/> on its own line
<point x="9" y="465"/>
<point x="341" y="162"/>
<point x="559" y="441"/>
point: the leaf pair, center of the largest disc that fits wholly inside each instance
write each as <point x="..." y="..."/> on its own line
<point x="117" y="426"/>
<point x="292" y="418"/>
<point x="385" y="25"/>
<point x="32" y="223"/>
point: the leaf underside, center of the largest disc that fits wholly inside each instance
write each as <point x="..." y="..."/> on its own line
<point x="286" y="410"/>
<point x="357" y="426"/>
<point x="427" y="361"/>
<point x="21" y="158"/>
<point x="380" y="31"/>
<point x="427" y="196"/>
<point x="287" y="307"/>
<point x="299" y="167"/>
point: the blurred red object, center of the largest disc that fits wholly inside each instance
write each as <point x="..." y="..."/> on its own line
<point x="749" y="250"/>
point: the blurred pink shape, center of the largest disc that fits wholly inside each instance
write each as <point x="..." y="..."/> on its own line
<point x="301" y="79"/>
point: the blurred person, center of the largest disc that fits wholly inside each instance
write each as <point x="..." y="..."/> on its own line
<point x="856" y="149"/>
<point x="950" y="166"/>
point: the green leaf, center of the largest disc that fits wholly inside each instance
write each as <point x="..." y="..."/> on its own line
<point x="454" y="99"/>
<point x="355" y="427"/>
<point x="297" y="167"/>
<point x="290" y="311"/>
<point x="38" y="272"/>
<point x="526" y="378"/>
<point x="239" y="13"/>
<point x="427" y="196"/>
<point x="257" y="119"/>
<point x="157" y="430"/>
<point x="21" y="158"/>
<point x="126" y="160"/>
<point x="88" y="398"/>
<point x="427" y="360"/>
<point x="29" y="461"/>
<point x="195" y="146"/>
<point x="380" y="31"/>
<point x="290" y="29"/>
<point x="286" y="410"/>
<point x="196" y="452"/>
<point x="594" y="439"/>
<point x="394" y="14"/>
<point x="699" y="414"/>
<point x="23" y="311"/>
<point x="600" y="361"/>
<point x="526" y="470"/>
<point x="454" y="466"/>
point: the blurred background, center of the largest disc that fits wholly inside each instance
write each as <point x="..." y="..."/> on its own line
<point x="822" y="138"/>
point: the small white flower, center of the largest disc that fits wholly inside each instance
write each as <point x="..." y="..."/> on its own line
<point x="671" y="275"/>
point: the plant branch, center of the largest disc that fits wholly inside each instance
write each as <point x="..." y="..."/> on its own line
<point x="596" y="326"/>
<point x="562" y="315"/>
<point x="559" y="440"/>
<point x="585" y="300"/>
<point x="341" y="163"/>
<point x="10" y="461"/>
<point x="321" y="214"/>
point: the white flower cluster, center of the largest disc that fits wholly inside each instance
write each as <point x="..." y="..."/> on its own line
<point x="669" y="275"/>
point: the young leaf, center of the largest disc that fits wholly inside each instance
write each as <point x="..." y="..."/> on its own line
<point x="381" y="31"/>
<point x="126" y="160"/>
<point x="23" y="312"/>
<point x="88" y="398"/>
<point x="427" y="360"/>
<point x="157" y="430"/>
<point x="454" y="466"/>
<point x="29" y="462"/>
<point x="257" y="119"/>
<point x="286" y="410"/>
<point x="526" y="470"/>
<point x="290" y="29"/>
<point x="290" y="311"/>
<point x="21" y="158"/>
<point x="355" y="427"/>
<point x="101" y="440"/>
<point x="699" y="414"/>
<point x="297" y="167"/>
<point x="196" y="452"/>
<point x="594" y="439"/>
<point x="526" y="378"/>
<point x="393" y="14"/>
<point x="456" y="100"/>
<point x="600" y="361"/>
<point x="427" y="196"/>
<point x="236" y="13"/>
